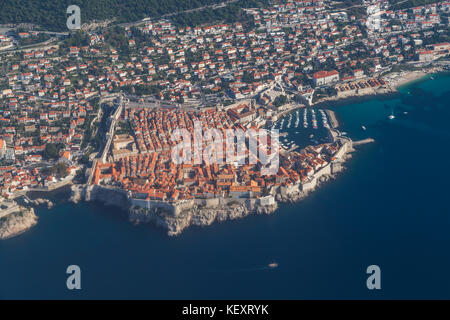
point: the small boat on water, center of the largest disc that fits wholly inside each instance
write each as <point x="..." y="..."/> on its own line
<point x="273" y="265"/>
<point x="391" y="116"/>
<point x="297" y="119"/>
<point x="363" y="127"/>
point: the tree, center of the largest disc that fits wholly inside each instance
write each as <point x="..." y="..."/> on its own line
<point x="52" y="150"/>
<point x="280" y="100"/>
<point x="247" y="77"/>
<point x="60" y="170"/>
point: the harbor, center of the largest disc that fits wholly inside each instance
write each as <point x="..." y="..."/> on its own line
<point x="307" y="125"/>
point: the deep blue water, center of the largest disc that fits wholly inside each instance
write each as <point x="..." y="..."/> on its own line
<point x="390" y="208"/>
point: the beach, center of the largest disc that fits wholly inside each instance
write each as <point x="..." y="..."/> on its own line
<point x="397" y="80"/>
<point x="394" y="81"/>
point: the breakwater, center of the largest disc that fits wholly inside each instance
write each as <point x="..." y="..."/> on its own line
<point x="364" y="141"/>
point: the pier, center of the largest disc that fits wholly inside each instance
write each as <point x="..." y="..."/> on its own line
<point x="293" y="148"/>
<point x="364" y="141"/>
<point x="332" y="117"/>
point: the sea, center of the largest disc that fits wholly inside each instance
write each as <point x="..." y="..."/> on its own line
<point x="390" y="208"/>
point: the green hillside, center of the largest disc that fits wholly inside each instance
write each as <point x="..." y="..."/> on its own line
<point x="51" y="14"/>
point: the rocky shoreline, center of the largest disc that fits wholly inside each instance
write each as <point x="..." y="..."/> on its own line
<point x="43" y="202"/>
<point x="200" y="216"/>
<point x="17" y="223"/>
<point x="196" y="216"/>
<point x="107" y="196"/>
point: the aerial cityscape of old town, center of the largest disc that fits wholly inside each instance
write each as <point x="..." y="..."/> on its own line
<point x="94" y="110"/>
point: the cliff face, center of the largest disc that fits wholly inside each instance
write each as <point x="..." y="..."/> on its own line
<point x="198" y="216"/>
<point x="106" y="196"/>
<point x="17" y="223"/>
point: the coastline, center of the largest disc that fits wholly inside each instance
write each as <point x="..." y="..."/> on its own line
<point x="397" y="82"/>
<point x="409" y="78"/>
<point x="338" y="222"/>
<point x="205" y="216"/>
<point x="353" y="99"/>
<point x="19" y="216"/>
<point x="17" y="223"/>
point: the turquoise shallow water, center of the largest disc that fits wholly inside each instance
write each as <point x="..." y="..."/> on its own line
<point x="390" y="208"/>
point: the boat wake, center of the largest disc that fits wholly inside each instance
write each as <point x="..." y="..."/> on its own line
<point x="270" y="266"/>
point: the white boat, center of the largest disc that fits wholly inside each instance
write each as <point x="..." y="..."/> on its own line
<point x="391" y="115"/>
<point x="273" y="265"/>
<point x="363" y="127"/>
<point x="297" y="119"/>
